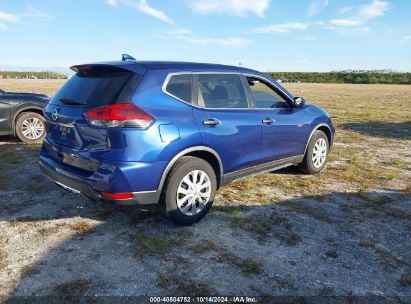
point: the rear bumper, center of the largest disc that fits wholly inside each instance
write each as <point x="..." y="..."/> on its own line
<point x="64" y="180"/>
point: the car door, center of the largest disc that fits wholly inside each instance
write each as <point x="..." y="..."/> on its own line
<point x="5" y="126"/>
<point x="226" y="120"/>
<point x="284" y="130"/>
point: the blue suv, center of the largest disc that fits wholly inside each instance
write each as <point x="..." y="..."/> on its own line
<point x="172" y="133"/>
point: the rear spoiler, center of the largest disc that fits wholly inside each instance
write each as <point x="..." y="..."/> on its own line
<point x="121" y="65"/>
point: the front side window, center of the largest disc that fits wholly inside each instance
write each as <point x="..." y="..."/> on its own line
<point x="221" y="91"/>
<point x="180" y="87"/>
<point x="264" y="96"/>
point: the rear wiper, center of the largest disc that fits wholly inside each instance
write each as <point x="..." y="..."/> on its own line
<point x="71" y="101"/>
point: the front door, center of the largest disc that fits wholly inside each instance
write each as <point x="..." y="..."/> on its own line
<point x="283" y="133"/>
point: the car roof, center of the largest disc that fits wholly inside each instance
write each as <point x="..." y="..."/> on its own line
<point x="181" y="65"/>
<point x="139" y="66"/>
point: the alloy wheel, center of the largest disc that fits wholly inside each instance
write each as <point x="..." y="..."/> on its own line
<point x="32" y="128"/>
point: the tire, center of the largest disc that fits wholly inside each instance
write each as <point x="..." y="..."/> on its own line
<point x="188" y="210"/>
<point x="30" y="127"/>
<point x="312" y="164"/>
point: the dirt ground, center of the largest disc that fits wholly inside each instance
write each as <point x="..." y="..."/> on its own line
<point x="345" y="232"/>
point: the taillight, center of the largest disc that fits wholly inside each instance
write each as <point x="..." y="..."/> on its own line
<point x="124" y="115"/>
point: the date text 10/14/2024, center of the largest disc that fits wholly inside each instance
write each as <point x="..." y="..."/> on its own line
<point x="234" y="299"/>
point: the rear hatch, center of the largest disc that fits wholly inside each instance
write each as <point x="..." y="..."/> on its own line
<point x="70" y="138"/>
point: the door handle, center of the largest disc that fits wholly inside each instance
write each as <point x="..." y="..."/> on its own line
<point x="268" y="121"/>
<point x="211" y="122"/>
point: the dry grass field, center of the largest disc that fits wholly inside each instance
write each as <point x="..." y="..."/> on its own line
<point x="345" y="232"/>
<point x="48" y="87"/>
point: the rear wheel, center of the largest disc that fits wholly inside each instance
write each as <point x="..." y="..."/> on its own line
<point x="316" y="155"/>
<point x="189" y="190"/>
<point x="30" y="127"/>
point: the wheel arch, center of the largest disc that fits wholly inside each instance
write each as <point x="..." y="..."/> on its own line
<point x="37" y="110"/>
<point x="322" y="127"/>
<point x="203" y="152"/>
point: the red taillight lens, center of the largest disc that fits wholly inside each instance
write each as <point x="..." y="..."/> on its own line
<point x="124" y="115"/>
<point x="117" y="196"/>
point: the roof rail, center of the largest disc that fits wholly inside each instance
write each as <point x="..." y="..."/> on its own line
<point x="126" y="57"/>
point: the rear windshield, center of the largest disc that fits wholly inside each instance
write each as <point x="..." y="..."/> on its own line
<point x="96" y="87"/>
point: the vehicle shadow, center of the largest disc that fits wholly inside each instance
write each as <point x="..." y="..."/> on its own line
<point x="9" y="139"/>
<point x="400" y="130"/>
<point x="289" y="170"/>
<point x="338" y="244"/>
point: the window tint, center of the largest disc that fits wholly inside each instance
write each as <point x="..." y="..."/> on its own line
<point x="180" y="86"/>
<point x="264" y="96"/>
<point x="221" y="91"/>
<point x="97" y="87"/>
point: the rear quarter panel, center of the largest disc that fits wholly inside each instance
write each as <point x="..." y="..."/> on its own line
<point x="148" y="145"/>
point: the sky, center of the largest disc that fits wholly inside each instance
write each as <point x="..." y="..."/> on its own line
<point x="268" y="35"/>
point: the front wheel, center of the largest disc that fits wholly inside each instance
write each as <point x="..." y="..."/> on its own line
<point x="316" y="155"/>
<point x="189" y="190"/>
<point x="30" y="127"/>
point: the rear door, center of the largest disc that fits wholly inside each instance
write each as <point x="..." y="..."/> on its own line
<point x="69" y="136"/>
<point x="283" y="133"/>
<point x="226" y="120"/>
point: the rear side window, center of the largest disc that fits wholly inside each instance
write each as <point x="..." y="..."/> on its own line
<point x="180" y="87"/>
<point x="221" y="91"/>
<point x="97" y="87"/>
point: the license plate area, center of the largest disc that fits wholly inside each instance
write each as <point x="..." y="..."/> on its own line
<point x="63" y="134"/>
<point x="70" y="157"/>
<point x="67" y="134"/>
<point x="65" y="131"/>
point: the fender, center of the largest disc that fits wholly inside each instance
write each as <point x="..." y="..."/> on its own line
<point x="315" y="129"/>
<point x="185" y="152"/>
<point x="18" y="111"/>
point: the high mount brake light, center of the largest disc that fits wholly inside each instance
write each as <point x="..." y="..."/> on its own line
<point x="85" y="68"/>
<point x="124" y="115"/>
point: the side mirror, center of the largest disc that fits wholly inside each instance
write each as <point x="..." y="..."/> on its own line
<point x="298" y="102"/>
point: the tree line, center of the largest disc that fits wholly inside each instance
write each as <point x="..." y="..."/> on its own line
<point x="32" y="75"/>
<point x="365" y="77"/>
